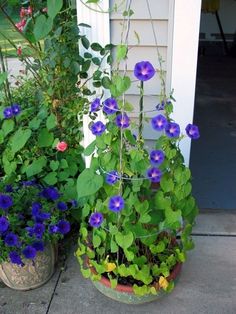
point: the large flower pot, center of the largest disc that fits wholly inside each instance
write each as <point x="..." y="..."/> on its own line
<point x="33" y="274"/>
<point x="125" y="294"/>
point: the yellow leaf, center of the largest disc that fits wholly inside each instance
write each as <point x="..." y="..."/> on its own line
<point x="110" y="267"/>
<point x="163" y="283"/>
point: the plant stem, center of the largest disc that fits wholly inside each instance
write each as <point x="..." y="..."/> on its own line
<point x="6" y="84"/>
<point x="140" y="128"/>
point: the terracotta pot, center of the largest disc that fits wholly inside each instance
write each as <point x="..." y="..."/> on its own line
<point x="33" y="274"/>
<point x="125" y="294"/>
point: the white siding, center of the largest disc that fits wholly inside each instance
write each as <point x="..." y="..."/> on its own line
<point x="162" y="13"/>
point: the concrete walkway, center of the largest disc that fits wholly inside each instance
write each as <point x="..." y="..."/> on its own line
<point x="207" y="283"/>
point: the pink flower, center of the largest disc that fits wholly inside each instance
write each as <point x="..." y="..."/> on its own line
<point x="45" y="10"/>
<point x="23" y="12"/>
<point x="21" y="25"/>
<point x="19" y="51"/>
<point x="61" y="146"/>
<point x="30" y="10"/>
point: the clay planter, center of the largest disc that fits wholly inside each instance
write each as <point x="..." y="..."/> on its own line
<point x="125" y="294"/>
<point x="33" y="274"/>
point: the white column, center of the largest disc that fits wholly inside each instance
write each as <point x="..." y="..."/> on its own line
<point x="184" y="63"/>
<point x="100" y="33"/>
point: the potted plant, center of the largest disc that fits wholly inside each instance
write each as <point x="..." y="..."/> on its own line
<point x="32" y="220"/>
<point x="138" y="210"/>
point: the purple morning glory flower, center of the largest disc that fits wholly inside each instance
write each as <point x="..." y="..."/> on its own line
<point x="116" y="203"/>
<point x="98" y="128"/>
<point x="4" y="224"/>
<point x="53" y="229"/>
<point x="38" y="230"/>
<point x="112" y="177"/>
<point x="159" y="122"/>
<point x="40" y="217"/>
<point x="50" y="193"/>
<point x="38" y="246"/>
<point x="15" y="109"/>
<point x="5" y="201"/>
<point x="36" y="207"/>
<point x="144" y="71"/>
<point x="157" y="157"/>
<point x="30" y="231"/>
<point x="7" y="112"/>
<point x="95" y="104"/>
<point x="122" y="121"/>
<point x="172" y="129"/>
<point x="96" y="220"/>
<point x="29" y="252"/>
<point x="161" y="106"/>
<point x="192" y="131"/>
<point x="63" y="226"/>
<point x="28" y="183"/>
<point x="11" y="239"/>
<point x="154" y="174"/>
<point x="15" y="258"/>
<point x="62" y="206"/>
<point x="110" y="106"/>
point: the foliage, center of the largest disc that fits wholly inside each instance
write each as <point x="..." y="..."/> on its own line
<point x="30" y="216"/>
<point x="52" y="98"/>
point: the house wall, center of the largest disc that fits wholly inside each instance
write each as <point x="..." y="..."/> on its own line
<point x="145" y="49"/>
<point x="227" y="13"/>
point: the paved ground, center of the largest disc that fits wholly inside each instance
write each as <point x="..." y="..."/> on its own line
<point x="207" y="284"/>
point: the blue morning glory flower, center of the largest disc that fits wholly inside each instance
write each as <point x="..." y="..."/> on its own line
<point x="116" y="203"/>
<point x="98" y="128"/>
<point x="96" y="220"/>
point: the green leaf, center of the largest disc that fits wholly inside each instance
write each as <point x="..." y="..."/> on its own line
<point x="167" y="184"/>
<point x="51" y="121"/>
<point x="8" y="126"/>
<point x="42" y="27"/>
<point x="88" y="183"/>
<point x="161" y="201"/>
<point x="121" y="52"/>
<point x="45" y="138"/>
<point x="35" y="123"/>
<point x="54" y="164"/>
<point x="129" y="255"/>
<point x="51" y="178"/>
<point x="36" y="166"/>
<point x="106" y="82"/>
<point x="96" y="46"/>
<point x="19" y="139"/>
<point x="113" y="246"/>
<point x="86" y="272"/>
<point x="54" y="7"/>
<point x="1" y="137"/>
<point x="160" y="247"/>
<point x="92" y="1"/>
<point x="96" y="241"/>
<point x="124" y="240"/>
<point x="90" y="148"/>
<point x="3" y="77"/>
<point x="85" y="42"/>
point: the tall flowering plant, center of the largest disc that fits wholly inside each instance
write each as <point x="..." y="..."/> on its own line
<point x="30" y="217"/>
<point x="138" y="210"/>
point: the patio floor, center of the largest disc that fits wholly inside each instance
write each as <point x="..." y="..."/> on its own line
<point x="207" y="283"/>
